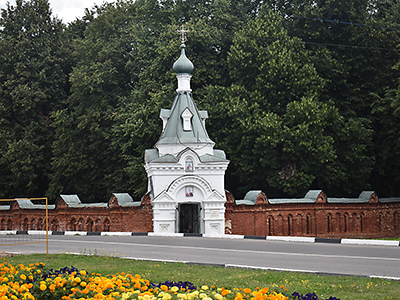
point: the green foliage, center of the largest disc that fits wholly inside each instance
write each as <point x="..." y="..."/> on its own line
<point x="84" y="158"/>
<point x="289" y="141"/>
<point x="33" y="82"/>
<point x="353" y="46"/>
<point x="265" y="59"/>
<point x="387" y="177"/>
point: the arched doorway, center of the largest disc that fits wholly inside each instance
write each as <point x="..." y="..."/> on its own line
<point x="189" y="218"/>
<point x="189" y="205"/>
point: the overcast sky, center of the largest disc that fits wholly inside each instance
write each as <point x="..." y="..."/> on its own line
<point x="67" y="10"/>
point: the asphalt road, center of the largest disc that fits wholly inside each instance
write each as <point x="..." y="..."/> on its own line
<point x="361" y="260"/>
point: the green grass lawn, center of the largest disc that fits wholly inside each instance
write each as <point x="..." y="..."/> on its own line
<point x="343" y="287"/>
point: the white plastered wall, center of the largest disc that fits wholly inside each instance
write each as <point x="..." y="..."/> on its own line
<point x="212" y="205"/>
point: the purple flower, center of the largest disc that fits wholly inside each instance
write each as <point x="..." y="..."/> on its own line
<point x="309" y="296"/>
<point x="54" y="273"/>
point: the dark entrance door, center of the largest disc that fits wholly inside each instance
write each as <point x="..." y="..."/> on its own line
<point x="189" y="218"/>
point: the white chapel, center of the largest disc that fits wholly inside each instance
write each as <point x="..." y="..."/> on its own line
<point x="185" y="173"/>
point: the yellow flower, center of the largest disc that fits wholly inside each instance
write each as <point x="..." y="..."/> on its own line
<point x="218" y="296"/>
<point x="126" y="295"/>
<point x="204" y="287"/>
<point x="43" y="287"/>
<point x="164" y="296"/>
<point x="174" y="289"/>
<point x="148" y="297"/>
<point x="239" y="296"/>
<point x="22" y="276"/>
<point x="83" y="272"/>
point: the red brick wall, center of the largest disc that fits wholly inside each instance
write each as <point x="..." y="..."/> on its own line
<point x="63" y="218"/>
<point x="365" y="220"/>
<point x="321" y="219"/>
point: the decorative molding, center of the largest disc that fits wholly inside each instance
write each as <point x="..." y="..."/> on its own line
<point x="197" y="181"/>
<point x="164" y="227"/>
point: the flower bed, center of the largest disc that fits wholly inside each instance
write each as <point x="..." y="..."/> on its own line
<point x="37" y="282"/>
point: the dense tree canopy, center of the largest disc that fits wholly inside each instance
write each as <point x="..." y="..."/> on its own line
<point x="301" y="94"/>
<point x="34" y="71"/>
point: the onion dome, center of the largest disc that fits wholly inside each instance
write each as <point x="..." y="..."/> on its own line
<point x="183" y="65"/>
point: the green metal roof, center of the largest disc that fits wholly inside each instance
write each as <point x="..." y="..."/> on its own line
<point x="291" y="201"/>
<point x="310" y="197"/>
<point x="166" y="159"/>
<point x="250" y="198"/>
<point x="389" y="200"/>
<point x="212" y="158"/>
<point x="125" y="200"/>
<point x="70" y="200"/>
<point x="364" y="197"/>
<point x="28" y="204"/>
<point x="73" y="201"/>
<point x="174" y="133"/>
<point x="151" y="155"/>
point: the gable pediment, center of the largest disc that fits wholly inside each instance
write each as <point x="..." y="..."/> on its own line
<point x="163" y="197"/>
<point x="215" y="196"/>
<point x="188" y="154"/>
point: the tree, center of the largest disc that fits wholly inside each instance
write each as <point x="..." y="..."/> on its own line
<point x="83" y="156"/>
<point x="387" y="144"/>
<point x="385" y="178"/>
<point x="286" y="139"/>
<point x="354" y="45"/>
<point x="33" y="82"/>
<point x="360" y="42"/>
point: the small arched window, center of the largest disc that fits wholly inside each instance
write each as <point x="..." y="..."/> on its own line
<point x="186" y="117"/>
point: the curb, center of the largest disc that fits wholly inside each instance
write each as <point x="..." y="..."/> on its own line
<point x="298" y="239"/>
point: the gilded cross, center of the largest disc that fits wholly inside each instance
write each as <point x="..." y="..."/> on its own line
<point x="182" y="31"/>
